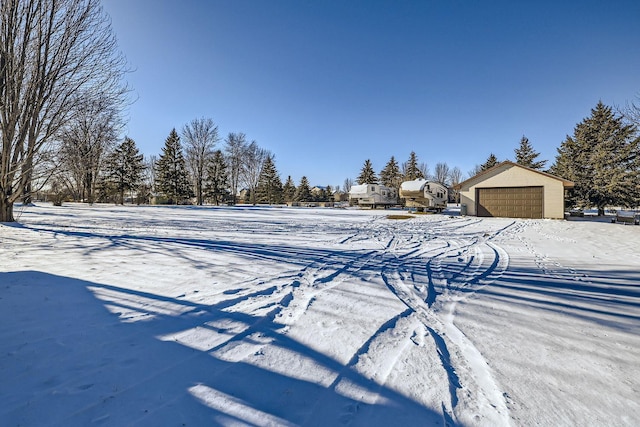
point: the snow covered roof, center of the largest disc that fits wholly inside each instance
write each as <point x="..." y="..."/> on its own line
<point x="415" y="185"/>
<point x="359" y="189"/>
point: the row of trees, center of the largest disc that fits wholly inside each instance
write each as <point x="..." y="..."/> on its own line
<point x="183" y="173"/>
<point x="217" y="175"/>
<point x="393" y="174"/>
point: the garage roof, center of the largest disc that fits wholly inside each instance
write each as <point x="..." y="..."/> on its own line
<point x="478" y="177"/>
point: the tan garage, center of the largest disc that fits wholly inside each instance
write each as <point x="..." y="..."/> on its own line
<point x="514" y="191"/>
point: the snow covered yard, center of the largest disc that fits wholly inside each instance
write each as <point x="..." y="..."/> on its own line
<point x="187" y="316"/>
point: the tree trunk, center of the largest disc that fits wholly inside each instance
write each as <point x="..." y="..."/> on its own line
<point x="25" y="178"/>
<point x="27" y="197"/>
<point x="89" y="187"/>
<point x="6" y="210"/>
<point x="199" y="192"/>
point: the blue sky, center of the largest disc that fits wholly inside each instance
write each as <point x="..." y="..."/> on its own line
<point x="327" y="84"/>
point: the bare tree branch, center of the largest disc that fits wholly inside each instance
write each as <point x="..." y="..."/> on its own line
<point x="200" y="136"/>
<point x="50" y="52"/>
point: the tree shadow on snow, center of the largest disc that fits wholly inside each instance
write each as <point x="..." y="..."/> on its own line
<point x="182" y="247"/>
<point x="68" y="358"/>
<point x="609" y="298"/>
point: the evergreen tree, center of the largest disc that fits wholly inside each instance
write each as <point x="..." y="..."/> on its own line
<point x="289" y="190"/>
<point x="124" y="167"/>
<point x="602" y="158"/>
<point x="391" y="176"/>
<point x="269" y="189"/>
<point x="411" y="169"/>
<point x="526" y="156"/>
<point x="303" y="192"/>
<point x="492" y="160"/>
<point x="216" y="184"/>
<point x="367" y="174"/>
<point x="328" y="193"/>
<point x="171" y="171"/>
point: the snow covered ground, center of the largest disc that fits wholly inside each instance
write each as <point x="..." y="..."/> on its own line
<point x="187" y="316"/>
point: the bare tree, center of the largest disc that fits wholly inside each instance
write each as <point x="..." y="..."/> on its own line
<point x="475" y="171"/>
<point x="456" y="178"/>
<point x="631" y="111"/>
<point x="441" y="173"/>
<point x="253" y="160"/>
<point x="346" y="186"/>
<point x="424" y="170"/>
<point x="455" y="175"/>
<point x="236" y="145"/>
<point x="50" y="51"/>
<point x="86" y="140"/>
<point x="200" y="136"/>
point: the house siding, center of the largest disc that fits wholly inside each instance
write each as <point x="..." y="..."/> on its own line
<point x="509" y="175"/>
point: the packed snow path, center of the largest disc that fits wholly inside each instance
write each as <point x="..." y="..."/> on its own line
<point x="270" y="316"/>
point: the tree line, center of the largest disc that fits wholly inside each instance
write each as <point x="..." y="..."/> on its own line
<point x="197" y="169"/>
<point x="191" y="168"/>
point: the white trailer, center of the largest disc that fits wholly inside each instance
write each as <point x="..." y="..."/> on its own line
<point x="423" y="194"/>
<point x="372" y="195"/>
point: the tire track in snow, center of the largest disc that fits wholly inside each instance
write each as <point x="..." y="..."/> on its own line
<point x="397" y="260"/>
<point x="466" y="369"/>
<point x="342" y="383"/>
<point x="317" y="281"/>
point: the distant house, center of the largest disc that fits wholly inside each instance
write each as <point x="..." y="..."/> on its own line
<point x="318" y="189"/>
<point x="514" y="191"/>
<point x="243" y="196"/>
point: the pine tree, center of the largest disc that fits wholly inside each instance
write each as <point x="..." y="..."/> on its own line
<point x="411" y="169"/>
<point x="492" y="160"/>
<point x="526" y="156"/>
<point x="289" y="190"/>
<point x="269" y="189"/>
<point x="216" y="184"/>
<point x="602" y="159"/>
<point x="171" y="171"/>
<point x="367" y="174"/>
<point x="391" y="176"/>
<point x="124" y="167"/>
<point x="329" y="193"/>
<point x="303" y="192"/>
